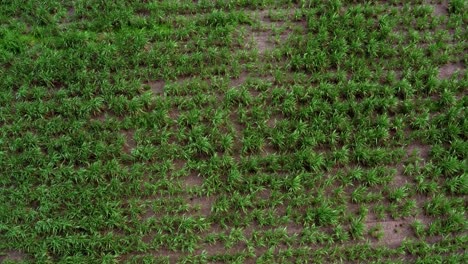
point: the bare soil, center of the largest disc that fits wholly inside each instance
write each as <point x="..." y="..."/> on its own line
<point x="157" y="87"/>
<point x="179" y="164"/>
<point x="174" y="113"/>
<point x="268" y="149"/>
<point x="193" y="180"/>
<point x="101" y="117"/>
<point x="446" y="71"/>
<point x="399" y="179"/>
<point x="394" y="232"/>
<point x="239" y="80"/>
<point x="441" y="9"/>
<point x="13" y="255"/>
<point x="130" y="142"/>
<point x="203" y="203"/>
<point x="422" y="149"/>
<point x="263" y="41"/>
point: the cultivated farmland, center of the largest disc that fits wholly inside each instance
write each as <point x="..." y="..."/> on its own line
<point x="233" y="131"/>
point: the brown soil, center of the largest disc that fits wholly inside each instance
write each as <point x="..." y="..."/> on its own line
<point x="193" y="180"/>
<point x="13" y="255"/>
<point x="264" y="194"/>
<point x="441" y="9"/>
<point x="399" y="179"/>
<point x="268" y="149"/>
<point x="157" y="87"/>
<point x="160" y="253"/>
<point x="239" y="80"/>
<point x="239" y="127"/>
<point x="274" y="119"/>
<point x="179" y="164"/>
<point x="130" y="142"/>
<point x="174" y="113"/>
<point x="263" y="41"/>
<point x="219" y="248"/>
<point x="394" y="232"/>
<point x="101" y="117"/>
<point x="421" y="149"/>
<point x="448" y="70"/>
<point x="203" y="203"/>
